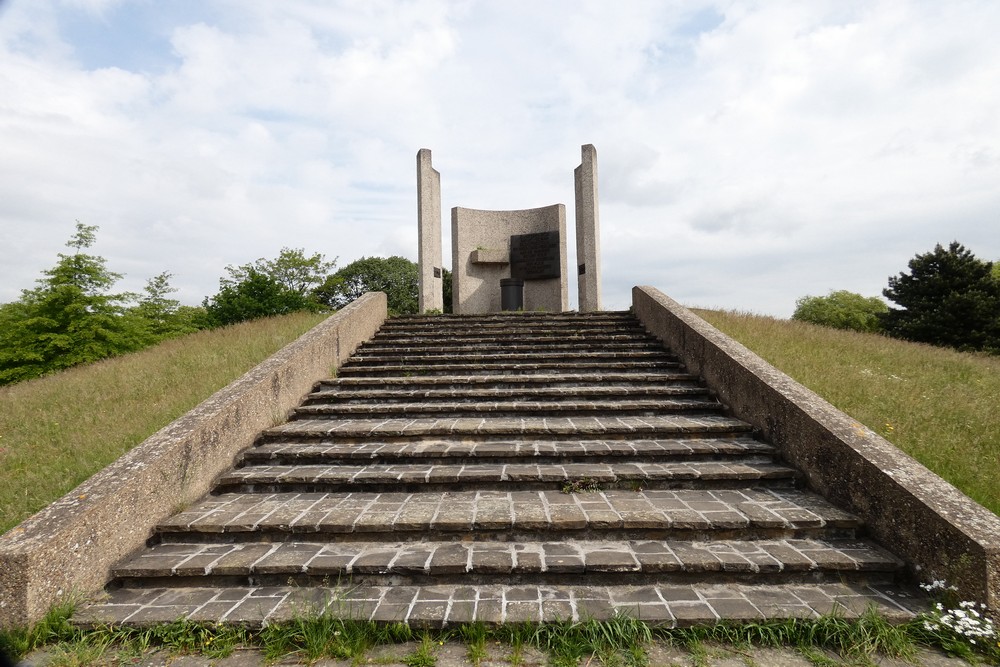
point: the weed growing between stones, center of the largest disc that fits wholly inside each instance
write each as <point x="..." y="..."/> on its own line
<point x="620" y="641"/>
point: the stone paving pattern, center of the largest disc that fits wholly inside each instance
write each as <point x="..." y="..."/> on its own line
<point x="344" y="559"/>
<point x="465" y="511"/>
<point x="439" y="606"/>
<point x="450" y="474"/>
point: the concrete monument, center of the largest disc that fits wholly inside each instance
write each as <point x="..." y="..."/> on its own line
<point x="524" y="246"/>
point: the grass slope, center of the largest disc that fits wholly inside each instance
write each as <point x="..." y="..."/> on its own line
<point x="938" y="405"/>
<point x="58" y="430"/>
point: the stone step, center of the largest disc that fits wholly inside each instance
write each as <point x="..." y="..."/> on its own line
<point x="442" y="606"/>
<point x="511" y="334"/>
<point x="525" y="380"/>
<point x="503" y="356"/>
<point x="540" y="320"/>
<point x="573" y="316"/>
<point x="751" y="513"/>
<point x="617" y="342"/>
<point x="508" y="409"/>
<point x="459" y="392"/>
<point x="443" y="476"/>
<point x="501" y="366"/>
<point x="507" y="450"/>
<point x="667" y="426"/>
<point x="464" y="563"/>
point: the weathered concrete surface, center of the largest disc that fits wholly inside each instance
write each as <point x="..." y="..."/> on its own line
<point x="481" y="239"/>
<point x="937" y="530"/>
<point x="431" y="283"/>
<point x="69" y="547"/>
<point x="588" y="231"/>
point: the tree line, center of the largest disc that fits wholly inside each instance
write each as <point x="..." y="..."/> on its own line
<point x="949" y="297"/>
<point x="74" y="316"/>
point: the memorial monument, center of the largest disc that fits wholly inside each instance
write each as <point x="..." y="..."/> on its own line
<point x="500" y="253"/>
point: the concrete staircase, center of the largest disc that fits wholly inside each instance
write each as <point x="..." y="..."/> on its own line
<point x="522" y="467"/>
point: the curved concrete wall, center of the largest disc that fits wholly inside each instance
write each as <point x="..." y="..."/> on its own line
<point x="69" y="547"/>
<point x="480" y="242"/>
<point x="934" y="527"/>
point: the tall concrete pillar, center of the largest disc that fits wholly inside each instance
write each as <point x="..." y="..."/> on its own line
<point x="431" y="285"/>
<point x="588" y="231"/>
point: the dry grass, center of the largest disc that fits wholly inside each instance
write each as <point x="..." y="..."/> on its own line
<point x="57" y="431"/>
<point x="939" y="406"/>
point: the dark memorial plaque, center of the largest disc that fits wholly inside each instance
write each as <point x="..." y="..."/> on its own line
<point x="535" y="256"/>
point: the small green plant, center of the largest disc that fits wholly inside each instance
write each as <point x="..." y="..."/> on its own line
<point x="423" y="656"/>
<point x="474" y="635"/>
<point x="582" y="485"/>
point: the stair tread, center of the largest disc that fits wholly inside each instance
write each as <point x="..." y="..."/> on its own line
<point x="669" y="604"/>
<point x="369" y="512"/>
<point x="487" y="449"/>
<point x="591" y="378"/>
<point x="458" y="391"/>
<point x="557" y="557"/>
<point x="519" y="406"/>
<point x="584" y="426"/>
<point x="467" y="473"/>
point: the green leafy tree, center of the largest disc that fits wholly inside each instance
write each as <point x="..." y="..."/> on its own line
<point x="158" y="317"/>
<point x="70" y="318"/>
<point x="842" y="310"/>
<point x="949" y="297"/>
<point x="268" y="287"/>
<point x="396" y="276"/>
<point x="292" y="269"/>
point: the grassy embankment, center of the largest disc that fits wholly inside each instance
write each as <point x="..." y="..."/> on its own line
<point x="57" y="431"/>
<point x="938" y="405"/>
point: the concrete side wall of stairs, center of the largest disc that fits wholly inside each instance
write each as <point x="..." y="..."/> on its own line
<point x="938" y="531"/>
<point x="70" y="547"/>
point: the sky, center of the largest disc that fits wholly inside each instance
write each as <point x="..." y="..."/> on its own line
<point x="749" y="153"/>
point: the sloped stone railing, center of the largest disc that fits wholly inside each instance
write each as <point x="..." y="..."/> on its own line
<point x="69" y="547"/>
<point x="934" y="527"/>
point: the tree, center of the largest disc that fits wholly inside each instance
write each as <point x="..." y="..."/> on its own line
<point x="396" y="276"/>
<point x="291" y="269"/>
<point x="69" y="319"/>
<point x="159" y="317"/>
<point x="265" y="288"/>
<point x="949" y="297"/>
<point x="842" y="310"/>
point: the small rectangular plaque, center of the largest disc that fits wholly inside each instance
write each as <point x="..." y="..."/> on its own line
<point x="582" y="269"/>
<point x="535" y="256"/>
<point x="437" y="272"/>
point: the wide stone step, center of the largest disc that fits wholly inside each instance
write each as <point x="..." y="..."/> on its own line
<point x="494" y="476"/>
<point x="637" y="561"/>
<point x="505" y="409"/>
<point x="441" y="606"/>
<point x="751" y="513"/>
<point x="457" y="392"/>
<point x="537" y="427"/>
<point x="501" y="366"/>
<point x="504" y="356"/>
<point x="525" y="380"/>
<point x="507" y="450"/>
<point x="554" y="342"/>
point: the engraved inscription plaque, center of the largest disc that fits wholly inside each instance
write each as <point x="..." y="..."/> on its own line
<point x="534" y="256"/>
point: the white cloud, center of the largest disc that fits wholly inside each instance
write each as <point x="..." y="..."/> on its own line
<point x="749" y="153"/>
